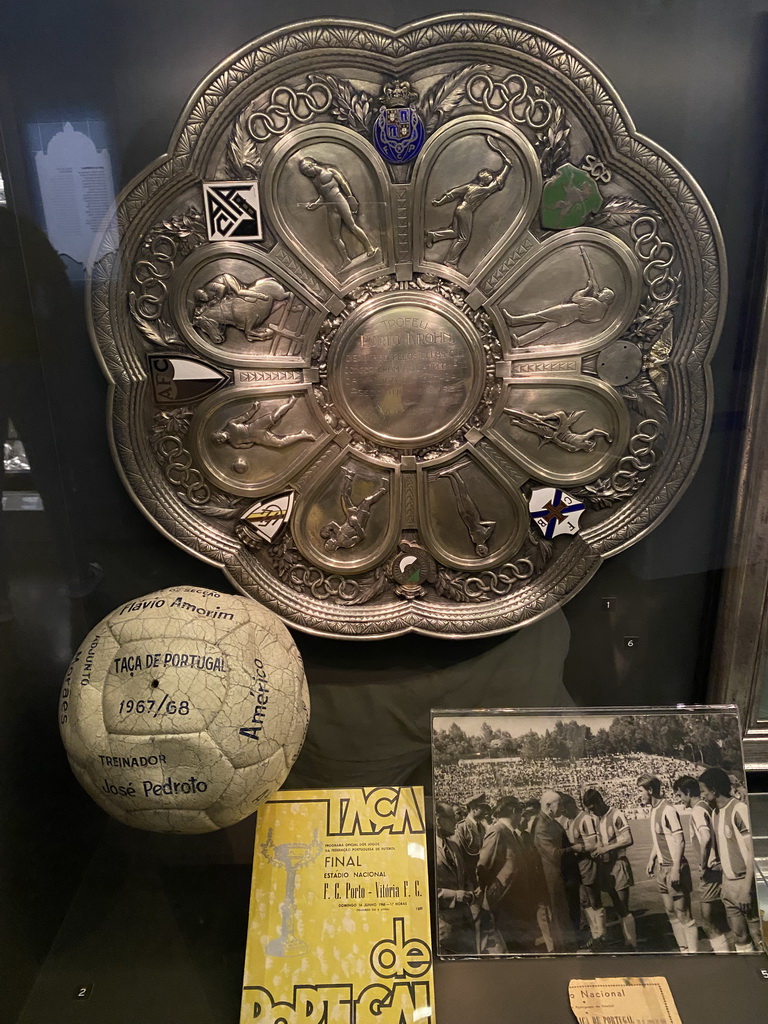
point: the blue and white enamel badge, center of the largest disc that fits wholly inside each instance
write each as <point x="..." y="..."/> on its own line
<point x="398" y="132"/>
<point x="554" y="511"/>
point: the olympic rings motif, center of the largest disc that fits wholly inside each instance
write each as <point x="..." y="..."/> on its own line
<point x="151" y="273"/>
<point x="657" y="256"/>
<point x="287" y="107"/>
<point x="322" y="586"/>
<point x="641" y="459"/>
<point x="511" y="97"/>
<point x="180" y="472"/>
<point x="480" y="587"/>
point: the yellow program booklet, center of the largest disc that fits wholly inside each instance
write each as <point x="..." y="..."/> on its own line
<point x="339" y="929"/>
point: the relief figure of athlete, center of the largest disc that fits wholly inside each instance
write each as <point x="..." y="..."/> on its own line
<point x="349" y="533"/>
<point x="587" y="305"/>
<point x="255" y="427"/>
<point x="335" y="193"/>
<point x="470" y="196"/>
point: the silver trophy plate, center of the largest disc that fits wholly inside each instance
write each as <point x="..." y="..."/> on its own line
<point x="410" y="329"/>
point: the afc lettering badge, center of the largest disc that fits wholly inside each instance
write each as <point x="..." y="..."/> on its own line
<point x="427" y="325"/>
<point x="349" y="864"/>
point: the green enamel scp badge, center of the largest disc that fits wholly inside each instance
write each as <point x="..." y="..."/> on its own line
<point x="568" y="198"/>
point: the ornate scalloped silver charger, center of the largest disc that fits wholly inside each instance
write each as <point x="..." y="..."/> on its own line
<point x="410" y="329"/>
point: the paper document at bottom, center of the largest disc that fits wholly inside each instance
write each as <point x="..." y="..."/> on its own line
<point x="623" y="1001"/>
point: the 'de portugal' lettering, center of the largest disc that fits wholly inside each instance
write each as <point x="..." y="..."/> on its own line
<point x="376" y="1004"/>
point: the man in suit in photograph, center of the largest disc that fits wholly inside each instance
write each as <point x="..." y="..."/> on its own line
<point x="556" y="854"/>
<point x="509" y="871"/>
<point x="469" y="834"/>
<point x="455" y="894"/>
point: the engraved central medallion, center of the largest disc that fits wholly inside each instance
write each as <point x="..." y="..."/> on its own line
<point x="406" y="372"/>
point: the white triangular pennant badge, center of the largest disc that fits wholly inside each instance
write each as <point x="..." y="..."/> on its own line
<point x="269" y="515"/>
<point x="555" y="511"/>
<point x="178" y="380"/>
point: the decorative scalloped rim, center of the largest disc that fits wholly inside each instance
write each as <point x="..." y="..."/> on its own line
<point x="635" y="518"/>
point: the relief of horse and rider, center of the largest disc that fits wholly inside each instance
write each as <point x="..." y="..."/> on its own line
<point x="260" y="309"/>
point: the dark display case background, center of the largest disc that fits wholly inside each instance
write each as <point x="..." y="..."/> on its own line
<point x="692" y="74"/>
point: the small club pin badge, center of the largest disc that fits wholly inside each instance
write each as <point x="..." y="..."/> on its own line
<point x="411" y="568"/>
<point x="568" y="198"/>
<point x="267" y="517"/>
<point x="179" y="380"/>
<point x="555" y="511"/>
<point x="398" y="131"/>
<point x="232" y="211"/>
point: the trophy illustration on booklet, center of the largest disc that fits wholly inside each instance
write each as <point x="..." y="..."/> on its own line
<point x="290" y="856"/>
<point x="410" y="329"/>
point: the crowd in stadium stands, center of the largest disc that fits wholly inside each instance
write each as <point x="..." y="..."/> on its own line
<point x="613" y="775"/>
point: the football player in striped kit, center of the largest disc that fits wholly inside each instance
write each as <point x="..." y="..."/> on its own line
<point x="733" y="840"/>
<point x="614" y="870"/>
<point x="668" y="864"/>
<point x="583" y="831"/>
<point x="702" y="841"/>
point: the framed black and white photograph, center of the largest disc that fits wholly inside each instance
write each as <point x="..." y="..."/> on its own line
<point x="598" y="830"/>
